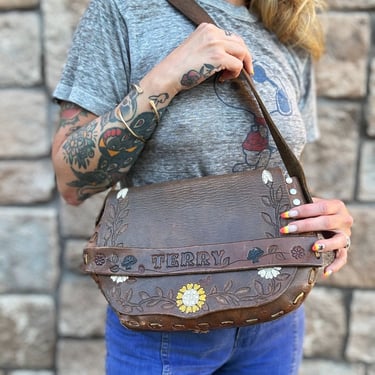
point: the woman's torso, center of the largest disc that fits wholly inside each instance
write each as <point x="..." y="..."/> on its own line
<point x="212" y="128"/>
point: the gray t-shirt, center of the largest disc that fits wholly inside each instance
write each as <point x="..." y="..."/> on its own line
<point x="210" y="129"/>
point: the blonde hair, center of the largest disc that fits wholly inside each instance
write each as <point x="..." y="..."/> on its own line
<point x="295" y="22"/>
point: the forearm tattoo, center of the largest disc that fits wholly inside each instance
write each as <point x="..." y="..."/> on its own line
<point x="81" y="146"/>
<point x="193" y="77"/>
<point x="117" y="147"/>
<point x="159" y="99"/>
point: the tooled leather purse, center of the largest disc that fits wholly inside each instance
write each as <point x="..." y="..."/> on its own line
<point x="205" y="253"/>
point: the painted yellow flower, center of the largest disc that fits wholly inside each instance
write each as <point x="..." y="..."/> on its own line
<point x="190" y="298"/>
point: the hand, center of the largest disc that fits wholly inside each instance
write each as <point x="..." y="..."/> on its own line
<point x="324" y="215"/>
<point x="206" y="51"/>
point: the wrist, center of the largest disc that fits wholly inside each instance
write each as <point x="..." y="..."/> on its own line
<point x="160" y="81"/>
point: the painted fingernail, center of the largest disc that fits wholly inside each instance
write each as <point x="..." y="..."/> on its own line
<point x="289" y="214"/>
<point x="288" y="229"/>
<point x="318" y="247"/>
<point x="328" y="273"/>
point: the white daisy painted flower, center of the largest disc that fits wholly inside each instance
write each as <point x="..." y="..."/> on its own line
<point x="269" y="273"/>
<point x="122" y="193"/>
<point x="267" y="177"/>
<point x="119" y="279"/>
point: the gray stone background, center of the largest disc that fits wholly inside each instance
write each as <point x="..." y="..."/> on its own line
<point x="51" y="317"/>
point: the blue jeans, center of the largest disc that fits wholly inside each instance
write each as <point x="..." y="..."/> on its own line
<point x="272" y="348"/>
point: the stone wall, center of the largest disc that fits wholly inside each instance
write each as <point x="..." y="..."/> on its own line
<point x="51" y="317"/>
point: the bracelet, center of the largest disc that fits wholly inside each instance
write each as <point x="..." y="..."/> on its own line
<point x="133" y="133"/>
<point x="151" y="102"/>
<point x="137" y="88"/>
<point x="157" y="115"/>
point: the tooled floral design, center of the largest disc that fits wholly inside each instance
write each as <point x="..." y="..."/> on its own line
<point x="273" y="200"/>
<point x="100" y="259"/>
<point x="167" y="301"/>
<point x="298" y="252"/>
<point x="116" y="223"/>
<point x="230" y="296"/>
<point x="274" y="250"/>
<point x="257" y="290"/>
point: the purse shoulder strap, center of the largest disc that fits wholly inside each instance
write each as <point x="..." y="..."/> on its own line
<point x="198" y="15"/>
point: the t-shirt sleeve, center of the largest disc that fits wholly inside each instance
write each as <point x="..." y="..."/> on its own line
<point x="308" y="104"/>
<point x="96" y="72"/>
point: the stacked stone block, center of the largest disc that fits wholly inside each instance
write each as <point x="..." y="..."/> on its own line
<point x="52" y="316"/>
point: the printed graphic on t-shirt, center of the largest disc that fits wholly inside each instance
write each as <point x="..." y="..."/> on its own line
<point x="256" y="148"/>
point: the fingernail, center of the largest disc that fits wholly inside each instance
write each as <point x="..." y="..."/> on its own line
<point x="288" y="229"/>
<point x="328" y="273"/>
<point x="252" y="71"/>
<point x="289" y="214"/>
<point x="318" y="247"/>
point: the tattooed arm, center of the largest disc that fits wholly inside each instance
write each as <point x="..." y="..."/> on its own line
<point x="91" y="153"/>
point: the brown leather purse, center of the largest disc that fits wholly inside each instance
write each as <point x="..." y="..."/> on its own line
<point x="205" y="253"/>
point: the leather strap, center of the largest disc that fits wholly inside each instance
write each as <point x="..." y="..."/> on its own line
<point x="244" y="255"/>
<point x="198" y="15"/>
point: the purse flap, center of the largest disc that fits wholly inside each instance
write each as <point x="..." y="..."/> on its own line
<point x="193" y="296"/>
<point x="209" y="210"/>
